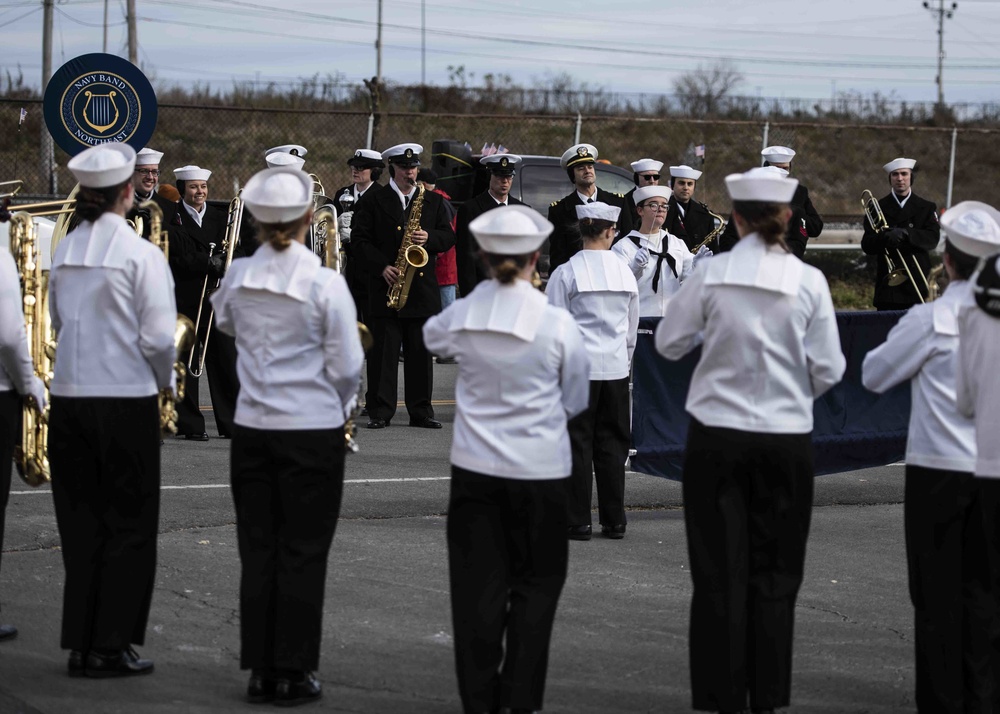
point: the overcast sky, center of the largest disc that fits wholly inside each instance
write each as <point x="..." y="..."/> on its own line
<point x="783" y="48"/>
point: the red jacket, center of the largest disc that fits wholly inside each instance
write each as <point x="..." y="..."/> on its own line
<point x="446" y="268"/>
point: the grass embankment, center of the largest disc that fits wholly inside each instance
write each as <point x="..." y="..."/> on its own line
<point x="851" y="275"/>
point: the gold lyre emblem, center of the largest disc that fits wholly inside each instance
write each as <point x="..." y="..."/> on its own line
<point x="100" y="112"/>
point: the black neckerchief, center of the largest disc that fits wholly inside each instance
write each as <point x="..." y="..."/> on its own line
<point x="660" y="257"/>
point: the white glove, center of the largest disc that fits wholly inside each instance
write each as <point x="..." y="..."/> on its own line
<point x="345" y="233"/>
<point x="640" y="261"/>
<point x="345" y="219"/>
<point x="702" y="254"/>
<point x="37" y="391"/>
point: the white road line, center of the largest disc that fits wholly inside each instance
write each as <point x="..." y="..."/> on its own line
<point x="226" y="485"/>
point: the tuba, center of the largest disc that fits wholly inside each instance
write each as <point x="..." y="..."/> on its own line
<point x="234" y="224"/>
<point x="410" y="258"/>
<point x="31" y="454"/>
<point x="184" y="333"/>
<point x="714" y="233"/>
<point x="897" y="275"/>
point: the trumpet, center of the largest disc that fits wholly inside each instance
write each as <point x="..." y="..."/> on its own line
<point x="900" y="274"/>
<point x="234" y="223"/>
<point x="714" y="233"/>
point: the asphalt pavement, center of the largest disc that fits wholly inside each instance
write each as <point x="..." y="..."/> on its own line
<point x="620" y="640"/>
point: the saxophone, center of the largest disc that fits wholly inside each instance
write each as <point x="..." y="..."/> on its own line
<point x="714" y="233"/>
<point x="183" y="330"/>
<point x="31" y="454"/>
<point x="411" y="257"/>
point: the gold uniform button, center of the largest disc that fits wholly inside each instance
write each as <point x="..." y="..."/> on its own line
<point x="421" y="275"/>
<point x="399" y="228"/>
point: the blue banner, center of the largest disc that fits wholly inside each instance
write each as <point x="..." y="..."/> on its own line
<point x="853" y="428"/>
<point x="97" y="98"/>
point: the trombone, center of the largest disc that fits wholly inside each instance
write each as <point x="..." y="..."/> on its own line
<point x="9" y="189"/>
<point x="897" y="275"/>
<point x="234" y="223"/>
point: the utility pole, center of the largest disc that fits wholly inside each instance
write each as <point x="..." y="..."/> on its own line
<point x="133" y="39"/>
<point x="423" y="44"/>
<point x="942" y="12"/>
<point x="105" y="50"/>
<point x="378" y="47"/>
<point x="47" y="149"/>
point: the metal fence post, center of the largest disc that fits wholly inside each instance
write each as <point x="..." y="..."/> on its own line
<point x="767" y="129"/>
<point x="371" y="130"/>
<point x="951" y="166"/>
<point x="579" y="125"/>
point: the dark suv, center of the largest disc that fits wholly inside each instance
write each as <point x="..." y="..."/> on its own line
<point x="539" y="180"/>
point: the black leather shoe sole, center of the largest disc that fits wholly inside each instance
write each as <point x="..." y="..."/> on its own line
<point x="613" y="532"/>
<point x="260" y="688"/>
<point x="292" y="694"/>
<point x="377" y="423"/>
<point x="579" y="532"/>
<point x="75" y="664"/>
<point x="426" y="423"/>
<point x="7" y="632"/>
<point x="196" y="437"/>
<point x="123" y="664"/>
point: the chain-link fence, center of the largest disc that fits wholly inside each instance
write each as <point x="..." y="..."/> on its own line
<point x="836" y="161"/>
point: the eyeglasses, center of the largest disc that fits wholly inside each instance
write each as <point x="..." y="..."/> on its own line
<point x="650" y="177"/>
<point x="148" y="172"/>
<point x="658" y="207"/>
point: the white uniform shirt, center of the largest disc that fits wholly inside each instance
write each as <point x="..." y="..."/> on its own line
<point x="654" y="304"/>
<point x="923" y="348"/>
<point x="522" y="373"/>
<point x="978" y="389"/>
<point x="17" y="372"/>
<point x="771" y="344"/>
<point x="111" y="297"/>
<point x="600" y="293"/>
<point x="299" y="354"/>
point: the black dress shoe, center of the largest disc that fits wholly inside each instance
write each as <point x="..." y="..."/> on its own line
<point x="616" y="532"/>
<point x="76" y="664"/>
<point x="123" y="663"/>
<point x="579" y="532"/>
<point x="7" y="632"/>
<point x="292" y="692"/>
<point x="260" y="688"/>
<point x="203" y="436"/>
<point x="376" y="423"/>
<point x="425" y="423"/>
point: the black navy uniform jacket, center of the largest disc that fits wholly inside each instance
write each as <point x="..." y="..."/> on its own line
<point x="377" y="230"/>
<point x="470" y="269"/>
<point x="693" y="227"/>
<point x="168" y="208"/>
<point x="189" y="254"/>
<point x="562" y="213"/>
<point x="351" y="272"/>
<point x="804" y="224"/>
<point x="919" y="217"/>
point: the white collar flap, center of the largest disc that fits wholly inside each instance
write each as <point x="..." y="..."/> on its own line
<point x="947" y="307"/>
<point x="515" y="310"/>
<point x="601" y="271"/>
<point x="290" y="272"/>
<point x="752" y="263"/>
<point x="110" y="244"/>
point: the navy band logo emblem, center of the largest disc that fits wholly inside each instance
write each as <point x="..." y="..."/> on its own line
<point x="97" y="98"/>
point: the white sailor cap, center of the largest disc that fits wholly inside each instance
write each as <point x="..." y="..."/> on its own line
<point x="148" y="157"/>
<point x="641" y="194"/>
<point x="293" y="149"/>
<point x="366" y="158"/>
<point x="278" y="159"/>
<point x="646" y="165"/>
<point x="278" y="195"/>
<point x="501" y="164"/>
<point x="192" y="173"/>
<point x="403" y="154"/>
<point x="104" y="165"/>
<point x="513" y="230"/>
<point x="684" y="171"/>
<point x="578" y="154"/>
<point x="598" y="211"/>
<point x="778" y="155"/>
<point x="900" y="163"/>
<point x="761" y="184"/>
<point x="973" y="228"/>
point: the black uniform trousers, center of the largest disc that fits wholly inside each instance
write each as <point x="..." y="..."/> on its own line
<point x="104" y="454"/>
<point x="949" y="577"/>
<point x="10" y="420"/>
<point x="507" y="561"/>
<point x="389" y="332"/>
<point x="287" y="487"/>
<point x="747" y="503"/>
<point x="599" y="440"/>
<point x="223" y="385"/>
